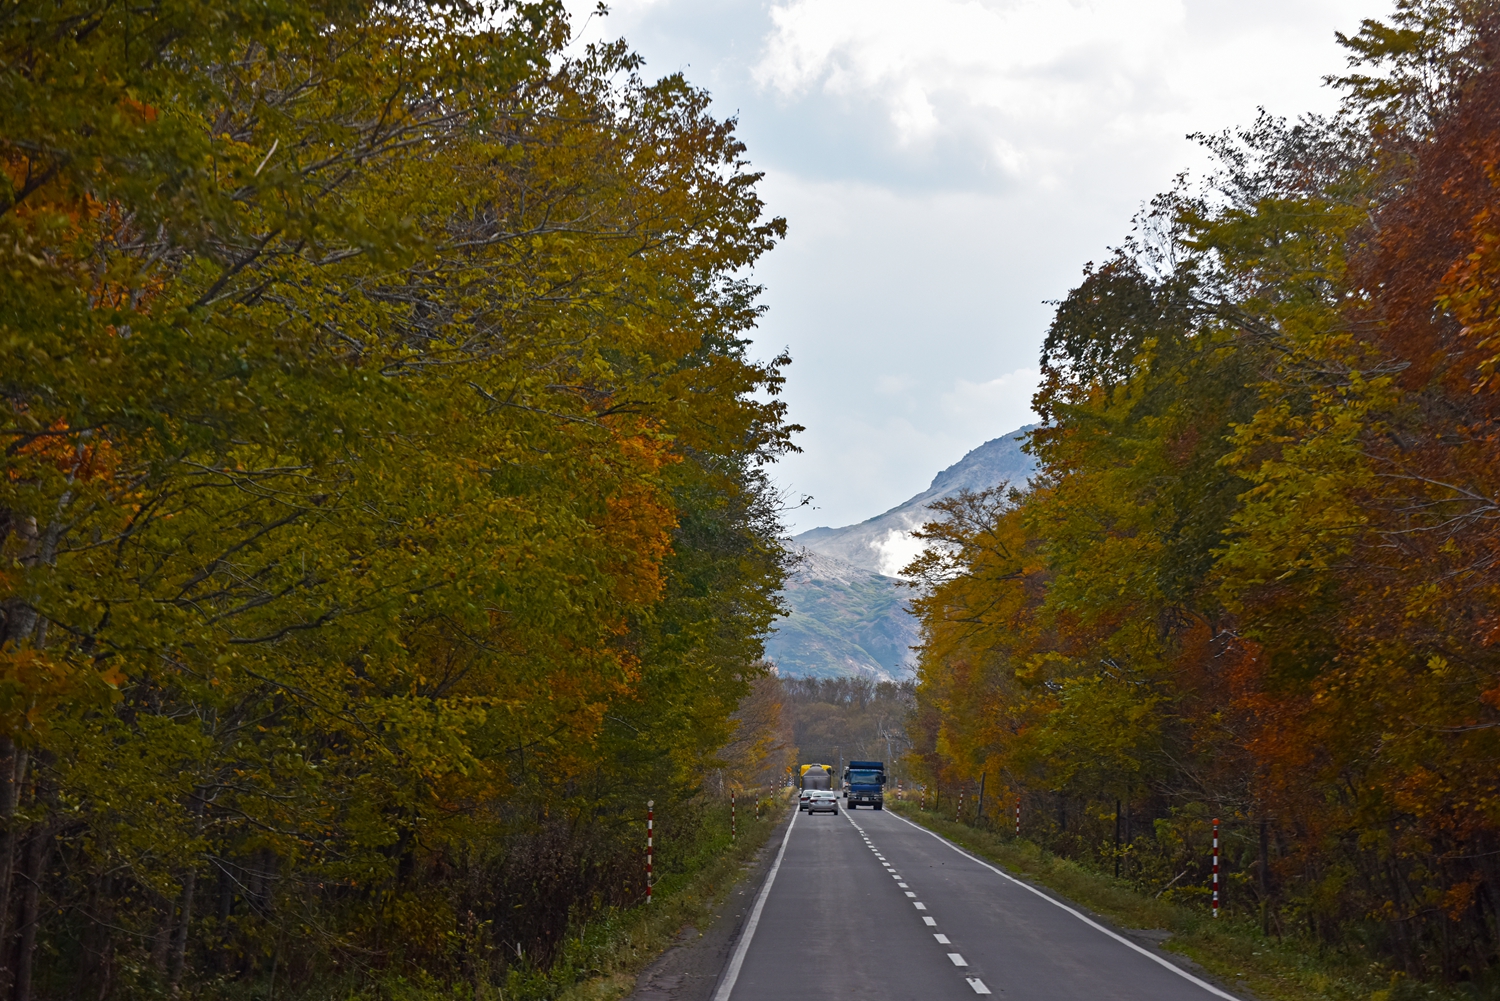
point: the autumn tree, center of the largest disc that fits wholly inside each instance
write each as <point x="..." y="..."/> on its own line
<point x="1254" y="576"/>
<point x="384" y="505"/>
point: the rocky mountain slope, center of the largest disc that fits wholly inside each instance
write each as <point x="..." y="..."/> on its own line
<point x="845" y="621"/>
<point x="848" y="613"/>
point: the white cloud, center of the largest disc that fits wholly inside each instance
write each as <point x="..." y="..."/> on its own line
<point x="1035" y="87"/>
<point x="948" y="166"/>
<point x="911" y="318"/>
<point x="896" y="550"/>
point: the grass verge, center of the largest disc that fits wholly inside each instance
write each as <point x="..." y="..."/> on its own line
<point x="601" y="962"/>
<point x="1232" y="947"/>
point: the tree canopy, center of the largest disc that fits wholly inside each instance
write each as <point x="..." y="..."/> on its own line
<point x="384" y="506"/>
<point x="1255" y="576"/>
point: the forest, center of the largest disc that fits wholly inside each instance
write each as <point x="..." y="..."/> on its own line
<point x="386" y="516"/>
<point x="1255" y="578"/>
<point x="825" y="720"/>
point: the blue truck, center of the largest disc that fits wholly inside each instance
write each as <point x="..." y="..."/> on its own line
<point x="864" y="784"/>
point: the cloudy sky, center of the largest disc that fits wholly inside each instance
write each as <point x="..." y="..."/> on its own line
<point x="946" y="168"/>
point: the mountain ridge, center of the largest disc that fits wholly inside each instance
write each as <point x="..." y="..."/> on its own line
<point x="849" y="614"/>
<point x="884" y="544"/>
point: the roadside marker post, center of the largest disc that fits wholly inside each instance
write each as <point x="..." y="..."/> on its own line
<point x="960" y="814"/>
<point x="1216" y="867"/>
<point x="733" y="829"/>
<point x="650" y="825"/>
<point x="1018" y="816"/>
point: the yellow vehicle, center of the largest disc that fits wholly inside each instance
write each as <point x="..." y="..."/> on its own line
<point x="815" y="777"/>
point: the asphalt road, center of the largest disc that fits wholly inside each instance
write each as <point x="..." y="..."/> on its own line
<point x="867" y="905"/>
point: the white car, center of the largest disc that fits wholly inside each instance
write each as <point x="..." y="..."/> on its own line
<point x="823" y="801"/>
<point x="805" y="795"/>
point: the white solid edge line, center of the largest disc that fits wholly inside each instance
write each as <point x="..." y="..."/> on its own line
<point x="1184" y="974"/>
<point x="737" y="960"/>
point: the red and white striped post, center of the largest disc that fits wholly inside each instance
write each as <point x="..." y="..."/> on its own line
<point x="1018" y="816"/>
<point x="1216" y="867"/>
<point x="650" y="825"/>
<point x="960" y="814"/>
<point x="733" y="830"/>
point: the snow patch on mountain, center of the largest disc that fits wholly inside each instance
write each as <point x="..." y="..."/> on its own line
<point x="884" y="543"/>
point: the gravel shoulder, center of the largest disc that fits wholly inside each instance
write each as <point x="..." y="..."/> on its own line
<point x="689" y="970"/>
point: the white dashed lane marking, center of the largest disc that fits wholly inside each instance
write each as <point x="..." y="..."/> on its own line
<point x="977" y="985"/>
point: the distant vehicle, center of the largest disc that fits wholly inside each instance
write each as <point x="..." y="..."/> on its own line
<point x="815" y="777"/>
<point x="864" y="783"/>
<point x="803" y="797"/>
<point x="822" y="801"/>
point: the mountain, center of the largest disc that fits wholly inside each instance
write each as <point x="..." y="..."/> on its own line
<point x="848" y="613"/>
<point x="883" y="543"/>
<point x="845" y="621"/>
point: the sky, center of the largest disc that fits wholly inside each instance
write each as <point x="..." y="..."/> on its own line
<point x="948" y="168"/>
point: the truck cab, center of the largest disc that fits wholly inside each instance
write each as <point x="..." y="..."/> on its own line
<point x="864" y="784"/>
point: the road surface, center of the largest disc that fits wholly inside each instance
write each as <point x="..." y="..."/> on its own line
<point x="868" y="906"/>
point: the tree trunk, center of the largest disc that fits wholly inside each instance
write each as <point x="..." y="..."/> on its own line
<point x="184" y="924"/>
<point x="96" y="967"/>
<point x="12" y="778"/>
<point x="185" y="900"/>
<point x="31" y="907"/>
<point x="226" y="909"/>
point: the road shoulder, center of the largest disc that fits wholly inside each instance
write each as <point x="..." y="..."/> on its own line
<point x="689" y="970"/>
